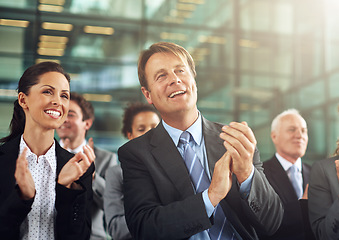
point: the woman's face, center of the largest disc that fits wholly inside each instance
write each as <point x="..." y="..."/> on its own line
<point x="46" y="105"/>
<point x="143" y="122"/>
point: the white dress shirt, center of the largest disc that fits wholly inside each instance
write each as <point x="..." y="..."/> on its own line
<point x="39" y="223"/>
<point x="287" y="164"/>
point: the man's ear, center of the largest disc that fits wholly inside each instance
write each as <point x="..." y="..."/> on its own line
<point x="273" y="136"/>
<point x="147" y="95"/>
<point x="22" y="100"/>
<point x="89" y="123"/>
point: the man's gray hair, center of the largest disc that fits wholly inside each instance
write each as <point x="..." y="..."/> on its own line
<point x="276" y="120"/>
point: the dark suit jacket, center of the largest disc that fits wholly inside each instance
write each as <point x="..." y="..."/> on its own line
<point x="73" y="219"/>
<point x="323" y="200"/>
<point x="292" y="226"/>
<point x="159" y="199"/>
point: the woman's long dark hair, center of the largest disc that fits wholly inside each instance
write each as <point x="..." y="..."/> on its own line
<point x="28" y="79"/>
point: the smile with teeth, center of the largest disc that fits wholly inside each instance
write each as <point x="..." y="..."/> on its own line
<point x="53" y="113"/>
<point x="172" y="95"/>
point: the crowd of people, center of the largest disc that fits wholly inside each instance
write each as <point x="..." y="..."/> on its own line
<point x="179" y="175"/>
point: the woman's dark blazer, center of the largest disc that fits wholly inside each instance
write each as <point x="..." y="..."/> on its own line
<point x="73" y="218"/>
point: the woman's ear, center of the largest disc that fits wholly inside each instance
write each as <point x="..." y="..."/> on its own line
<point x="22" y="100"/>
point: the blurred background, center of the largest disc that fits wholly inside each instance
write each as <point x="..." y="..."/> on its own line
<point x="255" y="58"/>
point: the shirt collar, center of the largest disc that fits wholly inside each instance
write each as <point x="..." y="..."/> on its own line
<point x="287" y="164"/>
<point x="195" y="130"/>
<point x="49" y="156"/>
<point x="76" y="150"/>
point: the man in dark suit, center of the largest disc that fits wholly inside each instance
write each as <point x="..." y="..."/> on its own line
<point x="161" y="200"/>
<point x="289" y="135"/>
<point x="72" y="135"/>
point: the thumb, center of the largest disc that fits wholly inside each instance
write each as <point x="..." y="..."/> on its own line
<point x="245" y="123"/>
<point x="77" y="157"/>
<point x="91" y="142"/>
<point x="66" y="142"/>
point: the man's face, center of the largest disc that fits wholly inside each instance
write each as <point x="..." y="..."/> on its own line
<point x="290" y="138"/>
<point x="171" y="85"/>
<point x="74" y="127"/>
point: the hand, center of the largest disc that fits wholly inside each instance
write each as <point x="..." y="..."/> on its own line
<point x="240" y="142"/>
<point x="337" y="167"/>
<point x="66" y="143"/>
<point x="305" y="195"/>
<point x="91" y="142"/>
<point x="221" y="182"/>
<point x="24" y="177"/>
<point x="76" y="167"/>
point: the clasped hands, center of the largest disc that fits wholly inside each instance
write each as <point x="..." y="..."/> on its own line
<point x="240" y="144"/>
<point x="69" y="173"/>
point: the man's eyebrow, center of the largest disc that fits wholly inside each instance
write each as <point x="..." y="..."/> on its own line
<point x="159" y="71"/>
<point x="180" y="65"/>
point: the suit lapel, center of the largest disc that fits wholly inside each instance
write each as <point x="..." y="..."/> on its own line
<point x="280" y="177"/>
<point x="213" y="143"/>
<point x="169" y="158"/>
<point x="62" y="156"/>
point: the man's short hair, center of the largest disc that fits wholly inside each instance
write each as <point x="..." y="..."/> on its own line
<point x="276" y="120"/>
<point x="162" y="47"/>
<point x="86" y="107"/>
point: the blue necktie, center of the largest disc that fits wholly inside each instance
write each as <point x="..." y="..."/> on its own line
<point x="296" y="180"/>
<point x="221" y="228"/>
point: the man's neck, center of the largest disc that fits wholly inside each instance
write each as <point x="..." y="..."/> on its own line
<point x="181" y="121"/>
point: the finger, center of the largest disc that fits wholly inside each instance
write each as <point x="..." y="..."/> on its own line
<point x="66" y="142"/>
<point x="237" y="139"/>
<point x="77" y="157"/>
<point x="243" y="129"/>
<point x="91" y="142"/>
<point x="85" y="163"/>
<point x="21" y="162"/>
<point x="233" y="152"/>
<point x="89" y="152"/>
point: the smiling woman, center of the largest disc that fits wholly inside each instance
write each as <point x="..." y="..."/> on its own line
<point x="38" y="178"/>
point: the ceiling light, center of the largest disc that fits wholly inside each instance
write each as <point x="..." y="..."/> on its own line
<point x="52" y="45"/>
<point x="193" y="1"/>
<point x="186" y="7"/>
<point x="183" y="14"/>
<point x="50" y="8"/>
<point x="39" y="60"/>
<point x="173" y="36"/>
<point x="53" y="2"/>
<point x="8" y="93"/>
<point x="57" y="26"/>
<point x="248" y="43"/>
<point x="56" y="39"/>
<point x="212" y="39"/>
<point x="99" y="30"/>
<point x="170" y="19"/>
<point x="14" y="23"/>
<point x="97" y="97"/>
<point x="51" y="52"/>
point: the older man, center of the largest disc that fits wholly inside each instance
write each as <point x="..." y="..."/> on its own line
<point x="287" y="174"/>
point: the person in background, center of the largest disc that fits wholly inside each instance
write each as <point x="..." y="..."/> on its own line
<point x="45" y="191"/>
<point x="290" y="138"/>
<point x="323" y="201"/>
<point x="72" y="134"/>
<point x="138" y="119"/>
<point x="190" y="177"/>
